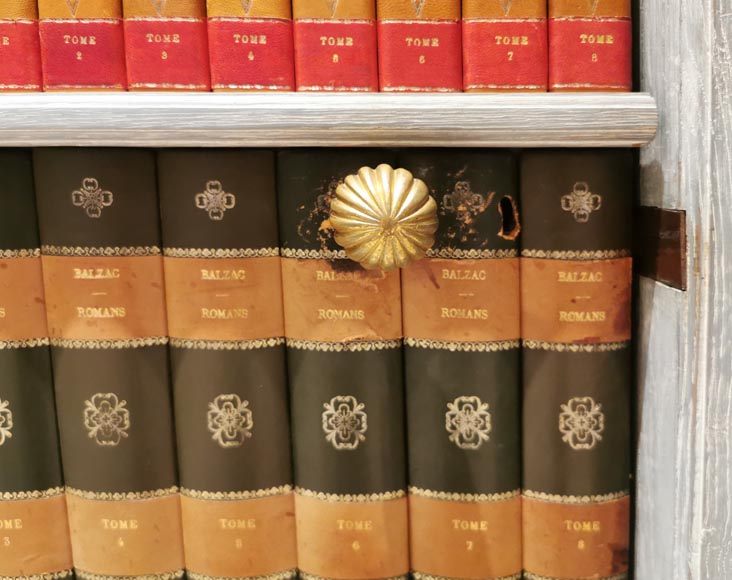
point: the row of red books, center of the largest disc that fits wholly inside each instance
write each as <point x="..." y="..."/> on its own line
<point x="316" y="45"/>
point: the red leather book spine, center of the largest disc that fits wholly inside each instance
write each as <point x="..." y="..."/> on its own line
<point x="335" y="45"/>
<point x="20" y="52"/>
<point x="420" y="45"/>
<point x="505" y="45"/>
<point x="166" y="45"/>
<point x="250" y="45"/>
<point x="590" y="44"/>
<point x="82" y="45"/>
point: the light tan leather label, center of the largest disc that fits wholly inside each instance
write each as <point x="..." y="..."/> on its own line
<point x="419" y="9"/>
<point x="576" y="541"/>
<point x="352" y="541"/>
<point x="462" y="300"/>
<point x="224" y="299"/>
<point x="34" y="537"/>
<point x="336" y="9"/>
<point x="334" y="301"/>
<point x="465" y="539"/>
<point x="568" y="301"/>
<point x="24" y="9"/>
<point x="253" y="9"/>
<point x="589" y="8"/>
<point x="126" y="537"/>
<point x="80" y="9"/>
<point x="104" y="298"/>
<point x="239" y="539"/>
<point x="167" y="9"/>
<point x="502" y="9"/>
<point x="22" y="312"/>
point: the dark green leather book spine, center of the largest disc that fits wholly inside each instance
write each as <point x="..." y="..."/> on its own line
<point x="224" y="300"/>
<point x="576" y="296"/>
<point x="34" y="533"/>
<point x="103" y="275"/>
<point x="343" y="329"/>
<point x="462" y="330"/>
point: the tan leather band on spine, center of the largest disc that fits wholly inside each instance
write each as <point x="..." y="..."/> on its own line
<point x="239" y="539"/>
<point x="329" y="549"/>
<point x="462" y="300"/>
<point x="18" y="9"/>
<point x="498" y="9"/>
<point x="257" y="9"/>
<point x="104" y="298"/>
<point x="224" y="299"/>
<point x="589" y="8"/>
<point x="126" y="537"/>
<point x="34" y="539"/>
<point x="83" y="9"/>
<point x="576" y="541"/>
<point x="325" y="302"/>
<point x="22" y="312"/>
<point x="409" y="10"/>
<point x="455" y="539"/>
<point x="168" y="9"/>
<point x="573" y="301"/>
<point x="334" y="9"/>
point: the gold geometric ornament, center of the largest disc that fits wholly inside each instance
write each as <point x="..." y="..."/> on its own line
<point x="384" y="218"/>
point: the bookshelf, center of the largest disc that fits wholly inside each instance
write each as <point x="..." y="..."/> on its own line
<point x="682" y="121"/>
<point x="327" y="120"/>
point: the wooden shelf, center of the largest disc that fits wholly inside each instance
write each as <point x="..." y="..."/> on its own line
<point x="327" y="120"/>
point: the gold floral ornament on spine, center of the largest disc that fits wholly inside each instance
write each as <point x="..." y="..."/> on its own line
<point x="384" y="218"/>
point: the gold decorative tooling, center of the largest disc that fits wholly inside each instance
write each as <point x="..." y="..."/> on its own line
<point x="384" y="218"/>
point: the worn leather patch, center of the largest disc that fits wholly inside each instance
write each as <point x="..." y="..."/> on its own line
<point x="224" y="298"/>
<point x="461" y="300"/>
<point x="579" y="301"/>
<point x="576" y="541"/>
<point x="34" y="537"/>
<point x="215" y="530"/>
<point x="352" y="540"/>
<point x="251" y="9"/>
<point x="22" y="300"/>
<point x="454" y="539"/>
<point x="105" y="298"/>
<point x="126" y="537"/>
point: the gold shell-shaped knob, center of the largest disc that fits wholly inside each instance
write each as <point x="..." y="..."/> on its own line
<point x="384" y="218"/>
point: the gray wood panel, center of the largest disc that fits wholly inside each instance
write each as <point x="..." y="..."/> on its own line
<point x="318" y="119"/>
<point x="684" y="516"/>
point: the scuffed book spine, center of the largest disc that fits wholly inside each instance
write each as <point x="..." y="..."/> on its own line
<point x="20" y="49"/>
<point x="420" y="46"/>
<point x="343" y="330"/>
<point x="82" y="45"/>
<point x="34" y="536"/>
<point x="335" y="45"/>
<point x="505" y="45"/>
<point x="224" y="298"/>
<point x="251" y="45"/>
<point x="590" y="45"/>
<point x="461" y="327"/>
<point x="103" y="277"/>
<point x="576" y="295"/>
<point x="166" y="45"/>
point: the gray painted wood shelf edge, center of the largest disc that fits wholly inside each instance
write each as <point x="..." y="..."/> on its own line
<point x="327" y="119"/>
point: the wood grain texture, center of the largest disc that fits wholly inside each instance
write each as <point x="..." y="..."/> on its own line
<point x="298" y="119"/>
<point x="684" y="511"/>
